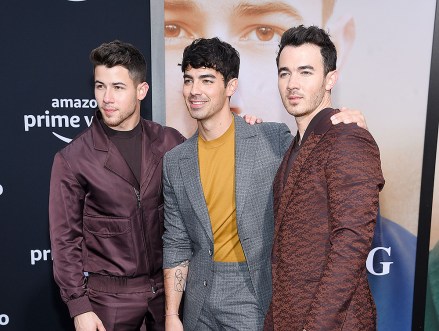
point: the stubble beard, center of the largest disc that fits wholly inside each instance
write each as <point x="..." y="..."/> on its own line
<point x="118" y="118"/>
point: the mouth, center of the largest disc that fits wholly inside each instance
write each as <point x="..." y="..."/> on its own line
<point x="294" y="98"/>
<point x="197" y="103"/>
<point x="108" y="110"/>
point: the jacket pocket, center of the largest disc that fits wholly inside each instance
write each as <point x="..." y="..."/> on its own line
<point x="109" y="245"/>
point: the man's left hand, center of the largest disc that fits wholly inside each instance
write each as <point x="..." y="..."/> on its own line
<point x="252" y="119"/>
<point x="347" y="116"/>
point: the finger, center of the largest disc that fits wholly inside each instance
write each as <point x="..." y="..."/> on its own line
<point x="335" y="119"/>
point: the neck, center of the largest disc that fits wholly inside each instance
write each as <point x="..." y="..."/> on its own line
<point x="215" y="127"/>
<point x="303" y="121"/>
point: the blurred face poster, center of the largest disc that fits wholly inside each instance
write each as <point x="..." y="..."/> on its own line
<point x="384" y="54"/>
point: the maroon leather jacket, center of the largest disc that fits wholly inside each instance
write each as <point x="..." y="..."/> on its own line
<point x="99" y="222"/>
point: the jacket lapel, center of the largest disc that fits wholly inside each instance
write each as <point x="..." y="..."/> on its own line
<point x="115" y="161"/>
<point x="310" y="143"/>
<point x="151" y="158"/>
<point x="190" y="173"/>
<point x="278" y="183"/>
<point x="245" y="149"/>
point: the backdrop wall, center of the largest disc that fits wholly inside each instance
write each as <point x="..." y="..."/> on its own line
<point x="45" y="74"/>
<point x="384" y="56"/>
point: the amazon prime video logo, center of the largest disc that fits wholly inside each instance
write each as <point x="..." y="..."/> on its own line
<point x="60" y="117"/>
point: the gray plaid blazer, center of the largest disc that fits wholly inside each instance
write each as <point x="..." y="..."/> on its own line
<point x="259" y="149"/>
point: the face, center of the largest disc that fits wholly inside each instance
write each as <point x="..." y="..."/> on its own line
<point x="118" y="97"/>
<point x="303" y="86"/>
<point x="205" y="95"/>
<point x="254" y="28"/>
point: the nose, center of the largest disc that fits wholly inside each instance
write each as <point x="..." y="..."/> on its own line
<point x="293" y="82"/>
<point x="195" y="88"/>
<point x="108" y="95"/>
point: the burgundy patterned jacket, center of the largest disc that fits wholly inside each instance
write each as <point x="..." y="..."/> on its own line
<point x="324" y="223"/>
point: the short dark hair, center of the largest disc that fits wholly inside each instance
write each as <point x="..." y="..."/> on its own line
<point x="118" y="53"/>
<point x="301" y="35"/>
<point x="213" y="54"/>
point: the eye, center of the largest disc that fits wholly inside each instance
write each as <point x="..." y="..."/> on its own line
<point x="175" y="30"/>
<point x="98" y="86"/>
<point x="263" y="33"/>
<point x="283" y="74"/>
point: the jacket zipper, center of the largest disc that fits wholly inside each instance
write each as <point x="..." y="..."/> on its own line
<point x="146" y="244"/>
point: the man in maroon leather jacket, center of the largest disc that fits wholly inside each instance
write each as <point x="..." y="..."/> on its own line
<point x="106" y="203"/>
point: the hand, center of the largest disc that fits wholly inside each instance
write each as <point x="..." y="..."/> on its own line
<point x="347" y="116"/>
<point x="252" y="119"/>
<point x="88" y="321"/>
<point x="173" y="323"/>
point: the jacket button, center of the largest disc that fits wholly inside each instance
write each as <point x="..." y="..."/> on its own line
<point x="210" y="252"/>
<point x="205" y="283"/>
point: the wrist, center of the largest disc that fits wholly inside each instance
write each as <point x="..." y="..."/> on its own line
<point x="171" y="314"/>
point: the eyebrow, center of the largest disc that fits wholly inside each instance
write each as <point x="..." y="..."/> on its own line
<point x="305" y="67"/>
<point x="207" y="76"/>
<point x="243" y="9"/>
<point x="116" y="83"/>
<point x="181" y="5"/>
<point x="201" y="76"/>
<point x="283" y="69"/>
<point x="249" y="9"/>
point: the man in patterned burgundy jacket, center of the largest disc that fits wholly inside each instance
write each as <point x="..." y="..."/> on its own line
<point x="325" y="199"/>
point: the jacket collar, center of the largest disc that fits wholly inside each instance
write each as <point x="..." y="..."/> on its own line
<point x="115" y="162"/>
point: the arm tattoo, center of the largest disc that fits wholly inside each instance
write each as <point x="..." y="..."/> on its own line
<point x="180" y="280"/>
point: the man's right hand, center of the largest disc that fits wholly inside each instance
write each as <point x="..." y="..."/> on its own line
<point x="88" y="321"/>
<point x="173" y="323"/>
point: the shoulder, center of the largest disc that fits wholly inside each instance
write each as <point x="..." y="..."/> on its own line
<point x="80" y="142"/>
<point x="187" y="147"/>
<point x="166" y="136"/>
<point x="276" y="133"/>
<point x="350" y="133"/>
<point x="266" y="128"/>
<point x="273" y="127"/>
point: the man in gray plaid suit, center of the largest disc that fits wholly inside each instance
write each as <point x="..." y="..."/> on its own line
<point x="218" y="202"/>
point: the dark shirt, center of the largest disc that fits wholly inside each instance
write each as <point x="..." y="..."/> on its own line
<point x="129" y="144"/>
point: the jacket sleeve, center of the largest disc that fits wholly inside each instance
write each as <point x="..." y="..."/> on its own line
<point x="66" y="201"/>
<point x="177" y="245"/>
<point x="354" y="179"/>
<point x="285" y="138"/>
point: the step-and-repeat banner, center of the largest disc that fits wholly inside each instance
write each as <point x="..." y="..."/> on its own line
<point x="384" y="50"/>
<point x="46" y="100"/>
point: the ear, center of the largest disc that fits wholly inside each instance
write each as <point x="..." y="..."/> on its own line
<point x="331" y="79"/>
<point x="342" y="31"/>
<point x="142" y="90"/>
<point x="232" y="85"/>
